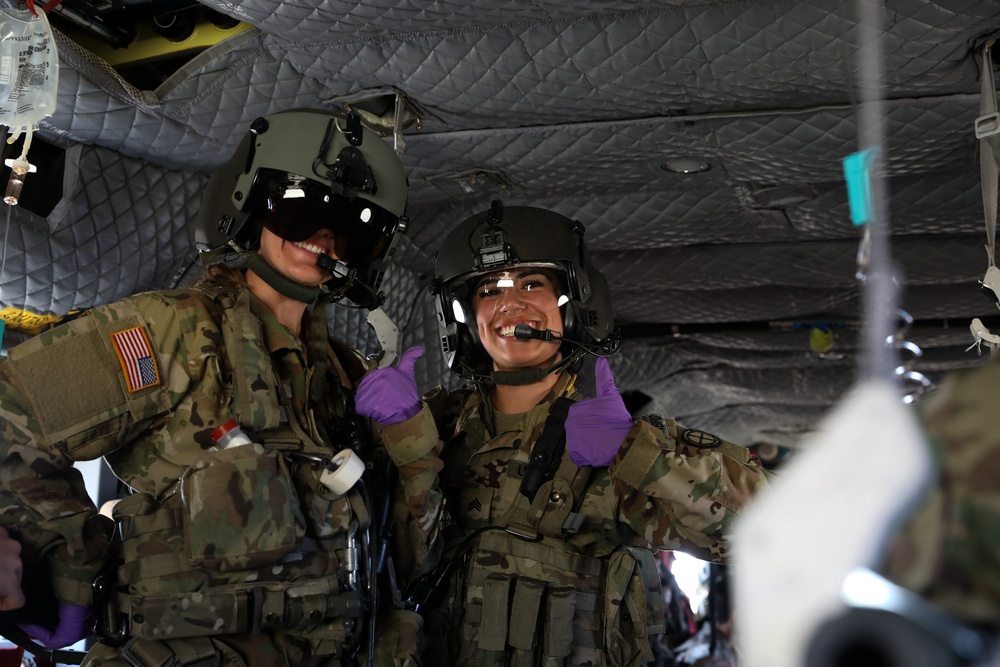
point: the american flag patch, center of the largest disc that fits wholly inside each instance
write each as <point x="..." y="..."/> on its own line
<point x="136" y="357"/>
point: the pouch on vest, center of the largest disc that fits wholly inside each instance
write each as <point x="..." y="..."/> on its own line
<point x="240" y="510"/>
<point x="631" y="613"/>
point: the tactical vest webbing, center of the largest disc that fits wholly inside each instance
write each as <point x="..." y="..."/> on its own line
<point x="528" y="596"/>
<point x="279" y="533"/>
<point x="536" y="603"/>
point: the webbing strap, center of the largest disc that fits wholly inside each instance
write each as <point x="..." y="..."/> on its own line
<point x="239" y="609"/>
<point x="190" y="652"/>
<point x="580" y="601"/>
<point x="568" y="625"/>
<point x="987" y="128"/>
<point x="566" y="561"/>
<point x="144" y="653"/>
<point x="547" y="451"/>
<point x="988" y="132"/>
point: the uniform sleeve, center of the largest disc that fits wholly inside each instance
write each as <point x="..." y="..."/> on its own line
<point x="74" y="393"/>
<point x="948" y="549"/>
<point x="684" y="489"/>
<point x="415" y="448"/>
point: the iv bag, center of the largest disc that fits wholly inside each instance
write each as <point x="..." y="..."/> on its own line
<point x="29" y="69"/>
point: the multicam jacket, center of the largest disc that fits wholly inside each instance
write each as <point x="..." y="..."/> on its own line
<point x="569" y="579"/>
<point x="948" y="550"/>
<point x="234" y="542"/>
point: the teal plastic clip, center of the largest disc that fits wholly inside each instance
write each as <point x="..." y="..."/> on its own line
<point x="858" y="172"/>
<point x="3" y="327"/>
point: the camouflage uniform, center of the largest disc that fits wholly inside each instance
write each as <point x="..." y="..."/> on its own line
<point x="948" y="550"/>
<point x="244" y="544"/>
<point x="569" y="578"/>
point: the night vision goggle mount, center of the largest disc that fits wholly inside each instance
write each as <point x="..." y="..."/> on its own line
<point x="350" y="173"/>
<point x="493" y="247"/>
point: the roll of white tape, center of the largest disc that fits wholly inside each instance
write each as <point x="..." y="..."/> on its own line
<point x="342" y="472"/>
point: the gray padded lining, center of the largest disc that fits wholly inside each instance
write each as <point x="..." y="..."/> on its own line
<point x="577" y="105"/>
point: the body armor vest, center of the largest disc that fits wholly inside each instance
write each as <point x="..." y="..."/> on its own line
<point x="250" y="541"/>
<point x="526" y="590"/>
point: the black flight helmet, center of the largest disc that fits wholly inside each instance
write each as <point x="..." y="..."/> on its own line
<point x="503" y="237"/>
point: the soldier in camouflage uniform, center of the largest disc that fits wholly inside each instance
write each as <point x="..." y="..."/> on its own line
<point x="559" y="500"/>
<point x="256" y="554"/>
<point x="948" y="550"/>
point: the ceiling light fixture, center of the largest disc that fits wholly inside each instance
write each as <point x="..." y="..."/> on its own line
<point x="686" y="165"/>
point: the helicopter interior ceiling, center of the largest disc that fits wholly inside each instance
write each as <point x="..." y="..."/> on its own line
<point x="700" y="142"/>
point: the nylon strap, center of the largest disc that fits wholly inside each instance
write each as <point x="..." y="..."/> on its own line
<point x="987" y="128"/>
<point x="505" y="544"/>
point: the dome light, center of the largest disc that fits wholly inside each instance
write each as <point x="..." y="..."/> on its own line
<point x="686" y="165"/>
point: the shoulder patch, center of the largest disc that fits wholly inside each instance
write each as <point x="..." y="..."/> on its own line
<point x="136" y="357"/>
<point x="701" y="439"/>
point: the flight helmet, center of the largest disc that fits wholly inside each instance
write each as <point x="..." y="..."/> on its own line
<point x="503" y="237"/>
<point x="296" y="172"/>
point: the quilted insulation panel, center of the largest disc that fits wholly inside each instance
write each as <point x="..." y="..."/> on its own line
<point x="718" y="277"/>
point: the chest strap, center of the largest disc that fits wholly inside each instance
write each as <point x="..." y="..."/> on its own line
<point x="548" y="450"/>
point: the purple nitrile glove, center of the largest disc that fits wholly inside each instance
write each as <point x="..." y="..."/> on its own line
<point x="75" y="623"/>
<point x="390" y="395"/>
<point x="596" y="427"/>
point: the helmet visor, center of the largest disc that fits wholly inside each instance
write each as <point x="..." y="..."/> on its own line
<point x="479" y="294"/>
<point x="296" y="208"/>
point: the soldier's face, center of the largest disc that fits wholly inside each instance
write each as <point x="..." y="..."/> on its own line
<point x="504" y="299"/>
<point x="298" y="260"/>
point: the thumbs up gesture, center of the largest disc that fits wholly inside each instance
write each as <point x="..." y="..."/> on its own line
<point x="389" y="395"/>
<point x="596" y="427"/>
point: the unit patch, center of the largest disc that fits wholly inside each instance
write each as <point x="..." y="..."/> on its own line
<point x="136" y="357"/>
<point x="700" y="439"/>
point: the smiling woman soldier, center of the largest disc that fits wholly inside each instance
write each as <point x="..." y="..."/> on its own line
<point x="255" y="552"/>
<point x="558" y="498"/>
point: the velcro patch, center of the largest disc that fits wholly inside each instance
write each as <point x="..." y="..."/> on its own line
<point x="700" y="439"/>
<point x="136" y="357"/>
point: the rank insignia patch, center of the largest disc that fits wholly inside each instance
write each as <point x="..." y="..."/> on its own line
<point x="700" y="438"/>
<point x="136" y="357"/>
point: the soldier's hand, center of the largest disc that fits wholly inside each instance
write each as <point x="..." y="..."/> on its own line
<point x="75" y="623"/>
<point x="596" y="427"/>
<point x="11" y="595"/>
<point x="390" y="395"/>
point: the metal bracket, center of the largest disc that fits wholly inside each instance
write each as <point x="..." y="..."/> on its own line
<point x="988" y="125"/>
<point x="388" y="337"/>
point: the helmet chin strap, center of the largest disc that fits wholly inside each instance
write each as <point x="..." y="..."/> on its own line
<point x="281" y="284"/>
<point x="532" y="375"/>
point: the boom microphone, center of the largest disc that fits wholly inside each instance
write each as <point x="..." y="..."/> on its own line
<point x="609" y="346"/>
<point x="527" y="332"/>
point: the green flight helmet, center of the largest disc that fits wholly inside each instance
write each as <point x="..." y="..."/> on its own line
<point x="296" y="172"/>
<point x="503" y="237"/>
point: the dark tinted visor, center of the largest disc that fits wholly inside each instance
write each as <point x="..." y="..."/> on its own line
<point x="298" y="208"/>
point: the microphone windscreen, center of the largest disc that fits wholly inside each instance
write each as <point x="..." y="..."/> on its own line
<point x="525" y="332"/>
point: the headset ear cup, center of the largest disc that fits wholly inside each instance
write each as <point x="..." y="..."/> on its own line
<point x="571" y="320"/>
<point x="248" y="236"/>
<point x="475" y="353"/>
